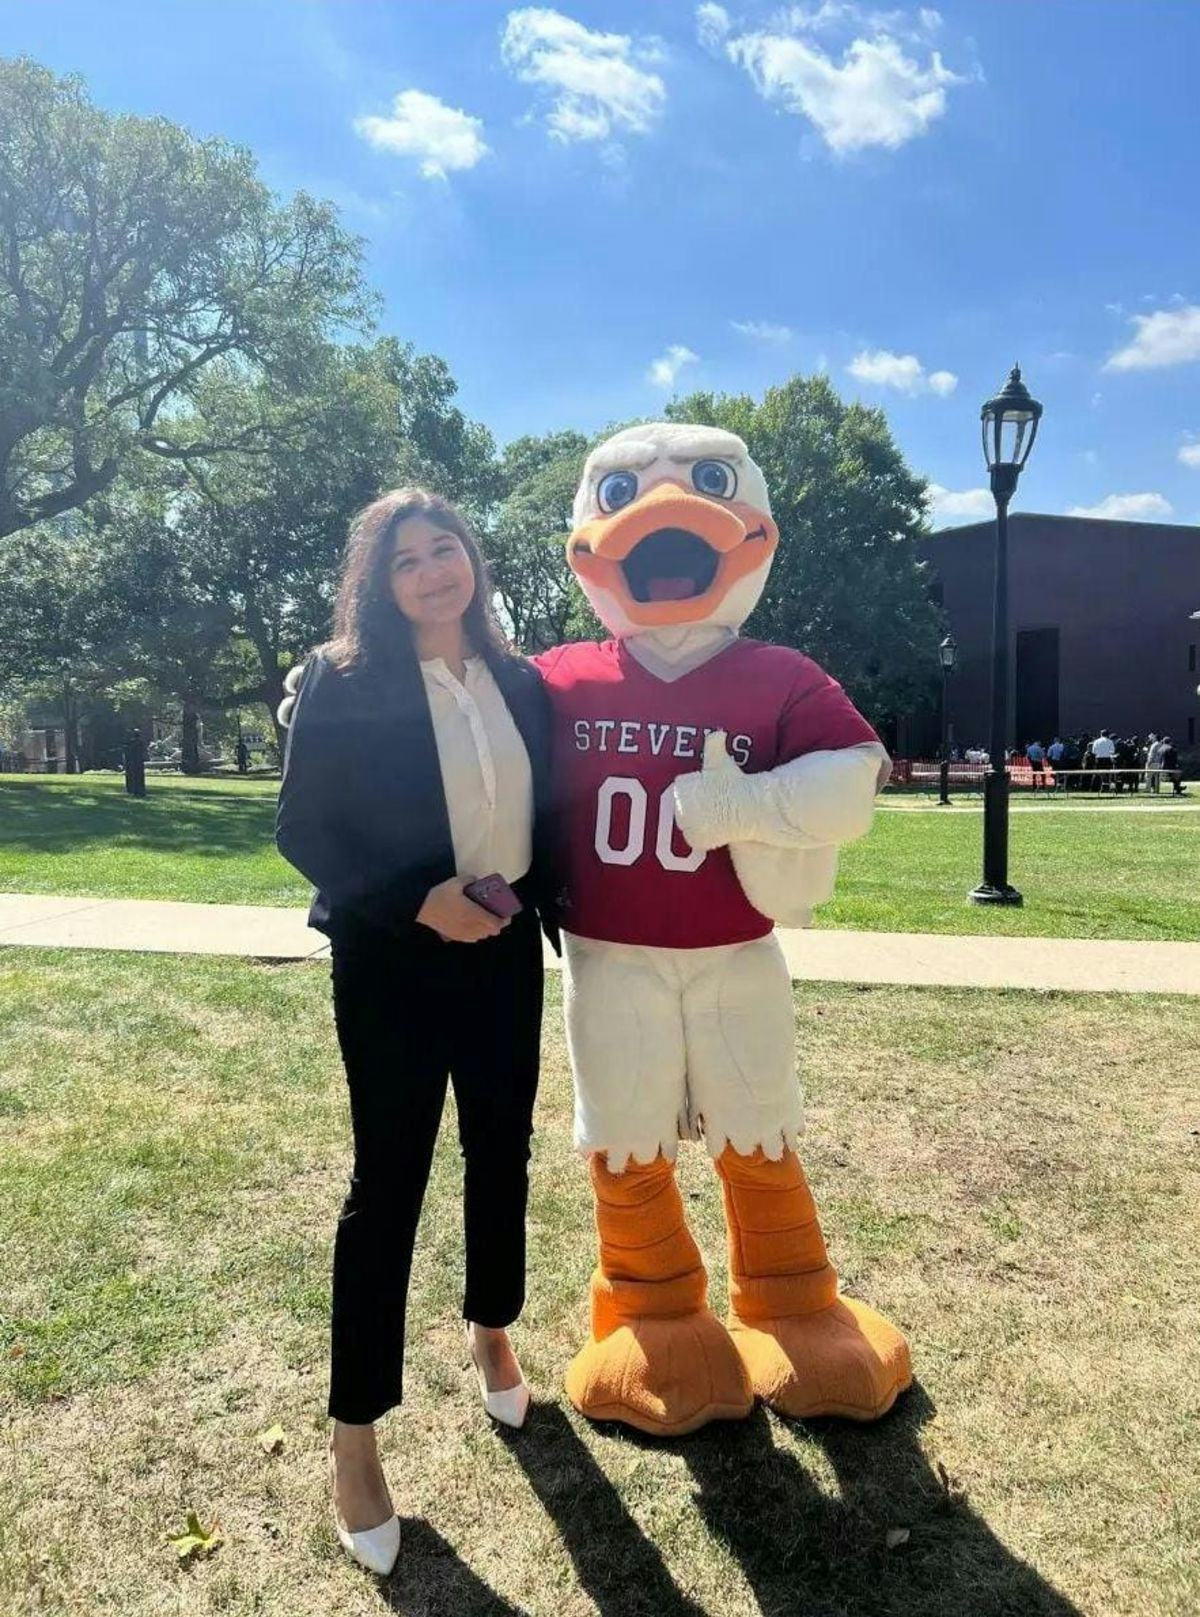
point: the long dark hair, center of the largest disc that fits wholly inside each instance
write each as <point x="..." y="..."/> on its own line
<point x="369" y="629"/>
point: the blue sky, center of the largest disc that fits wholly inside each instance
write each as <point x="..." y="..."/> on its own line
<point x="585" y="207"/>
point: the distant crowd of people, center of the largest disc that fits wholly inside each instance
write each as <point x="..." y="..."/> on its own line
<point x="1104" y="763"/>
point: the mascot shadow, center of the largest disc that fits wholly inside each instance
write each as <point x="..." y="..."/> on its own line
<point x="800" y="1549"/>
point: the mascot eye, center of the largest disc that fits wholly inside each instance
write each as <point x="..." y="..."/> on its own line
<point x="715" y="478"/>
<point x="616" y="490"/>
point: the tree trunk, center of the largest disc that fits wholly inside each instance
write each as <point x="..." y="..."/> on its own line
<point x="189" y="744"/>
<point x="267" y="652"/>
<point x="70" y="729"/>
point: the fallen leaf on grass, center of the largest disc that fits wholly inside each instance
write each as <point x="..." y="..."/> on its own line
<point x="272" y="1440"/>
<point x="953" y="1492"/>
<point x="17" y="1351"/>
<point x="895" y="1537"/>
<point x="196" y="1541"/>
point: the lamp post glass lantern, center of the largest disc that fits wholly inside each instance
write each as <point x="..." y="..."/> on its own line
<point x="947" y="653"/>
<point x="1009" y="424"/>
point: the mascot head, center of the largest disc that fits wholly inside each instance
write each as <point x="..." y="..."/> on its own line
<point x="672" y="528"/>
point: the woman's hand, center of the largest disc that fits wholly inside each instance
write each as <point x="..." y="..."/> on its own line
<point x="455" y="917"/>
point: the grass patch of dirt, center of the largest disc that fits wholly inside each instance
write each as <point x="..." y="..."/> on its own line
<point x="1012" y="1176"/>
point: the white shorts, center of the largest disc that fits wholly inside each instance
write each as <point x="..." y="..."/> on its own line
<point x="670" y="1044"/>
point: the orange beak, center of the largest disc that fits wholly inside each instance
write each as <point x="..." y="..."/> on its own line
<point x="673" y="555"/>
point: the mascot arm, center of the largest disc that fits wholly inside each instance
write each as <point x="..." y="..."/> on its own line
<point x="819" y="800"/>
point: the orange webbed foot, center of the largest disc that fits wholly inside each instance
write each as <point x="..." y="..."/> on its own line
<point x="662" y="1376"/>
<point x="842" y="1360"/>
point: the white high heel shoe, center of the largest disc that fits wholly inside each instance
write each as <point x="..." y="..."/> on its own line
<point x="509" y="1406"/>
<point x="375" y="1548"/>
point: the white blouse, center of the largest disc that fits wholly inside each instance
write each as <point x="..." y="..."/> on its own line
<point x="485" y="771"/>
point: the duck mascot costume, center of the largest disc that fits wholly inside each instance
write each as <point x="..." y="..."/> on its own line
<point x="705" y="783"/>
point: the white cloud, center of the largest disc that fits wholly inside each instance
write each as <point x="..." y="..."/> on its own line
<point x="832" y="15"/>
<point x="441" y="138"/>
<point x="595" y="81"/>
<point x="1125" y="508"/>
<point x="667" y="367"/>
<point x="1189" y="453"/>
<point x="1166" y="337"/>
<point x="712" y="26"/>
<point x="947" y="506"/>
<point x="880" y="368"/>
<point x="762" y="331"/>
<point x="875" y="96"/>
<point x="884" y="369"/>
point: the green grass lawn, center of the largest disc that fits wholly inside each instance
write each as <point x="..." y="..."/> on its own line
<point x="1084" y="873"/>
<point x="1012" y="1176"/>
<point x="205" y="840"/>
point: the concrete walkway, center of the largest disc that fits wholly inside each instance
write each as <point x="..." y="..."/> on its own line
<point x="159" y="927"/>
<point x="915" y="958"/>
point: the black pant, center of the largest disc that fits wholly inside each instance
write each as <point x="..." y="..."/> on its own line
<point x="409" y="1014"/>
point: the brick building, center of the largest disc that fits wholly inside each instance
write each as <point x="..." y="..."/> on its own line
<point x="1102" y="617"/>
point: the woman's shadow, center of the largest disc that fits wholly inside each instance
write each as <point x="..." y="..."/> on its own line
<point x="431" y="1580"/>
<point x="800" y="1549"/>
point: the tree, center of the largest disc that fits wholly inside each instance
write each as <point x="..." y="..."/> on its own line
<point x="846" y="585"/>
<point x="264" y="535"/>
<point x="526" y="545"/>
<point x="220" y="570"/>
<point x="58" y="620"/>
<point x="442" y="448"/>
<point x="178" y="625"/>
<point x="134" y="257"/>
<point x="108" y="596"/>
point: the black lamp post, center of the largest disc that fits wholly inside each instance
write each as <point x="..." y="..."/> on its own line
<point x="1010" y="423"/>
<point x="947" y="652"/>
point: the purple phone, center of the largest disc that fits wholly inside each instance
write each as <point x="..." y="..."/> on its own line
<point x="493" y="894"/>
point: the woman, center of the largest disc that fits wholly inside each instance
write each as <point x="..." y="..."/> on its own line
<point x="417" y="761"/>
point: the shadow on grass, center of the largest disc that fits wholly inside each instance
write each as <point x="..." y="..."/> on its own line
<point x="617" y="1565"/>
<point x="799" y="1549"/>
<point x="431" y="1581"/>
<point x="202" y="821"/>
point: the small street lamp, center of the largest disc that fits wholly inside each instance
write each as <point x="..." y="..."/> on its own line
<point x="1009" y="425"/>
<point x="947" y="652"/>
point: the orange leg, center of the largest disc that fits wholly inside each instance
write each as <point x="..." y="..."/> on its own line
<point x="807" y="1351"/>
<point x="658" y="1358"/>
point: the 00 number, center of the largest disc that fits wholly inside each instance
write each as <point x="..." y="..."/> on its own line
<point x="625" y="786"/>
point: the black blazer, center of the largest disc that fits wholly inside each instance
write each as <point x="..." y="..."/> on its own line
<point x="362" y="811"/>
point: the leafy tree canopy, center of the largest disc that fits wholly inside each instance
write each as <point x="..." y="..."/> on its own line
<point x="847" y="585"/>
<point x="134" y="257"/>
<point x="526" y="546"/>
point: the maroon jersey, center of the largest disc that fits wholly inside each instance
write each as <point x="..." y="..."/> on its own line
<point x="622" y="736"/>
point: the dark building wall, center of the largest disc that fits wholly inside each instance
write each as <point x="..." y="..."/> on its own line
<point x="1119" y="594"/>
